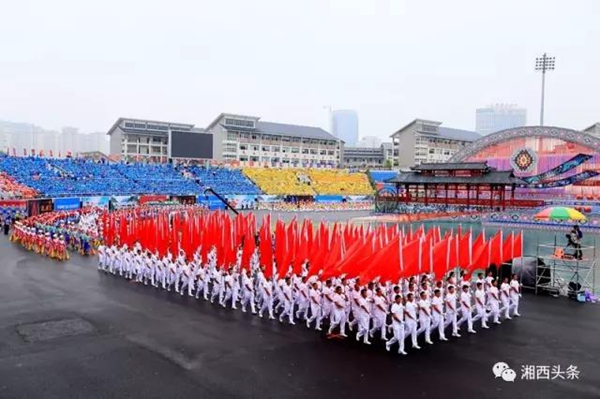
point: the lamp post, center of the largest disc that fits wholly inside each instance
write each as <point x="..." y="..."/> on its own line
<point x="543" y="63"/>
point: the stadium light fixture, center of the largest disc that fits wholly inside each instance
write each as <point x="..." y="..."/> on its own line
<point x="543" y="63"/>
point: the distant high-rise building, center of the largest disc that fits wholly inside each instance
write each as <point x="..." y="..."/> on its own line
<point x="499" y="117"/>
<point x="344" y="126"/>
<point x="369" y="142"/>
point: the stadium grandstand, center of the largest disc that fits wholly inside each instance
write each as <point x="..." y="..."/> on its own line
<point x="339" y="182"/>
<point x="224" y="181"/>
<point x="29" y="177"/>
<point x="9" y="188"/>
<point x="279" y="181"/>
<point x="309" y="181"/>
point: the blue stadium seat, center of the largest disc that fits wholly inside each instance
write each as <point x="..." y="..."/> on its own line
<point x="224" y="181"/>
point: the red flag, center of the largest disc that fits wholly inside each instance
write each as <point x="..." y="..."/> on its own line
<point x="495" y="249"/>
<point x="412" y="257"/>
<point x="266" y="250"/>
<point x="465" y="248"/>
<point x="248" y="250"/>
<point x="507" y="247"/>
<point x="479" y="253"/>
<point x="441" y="257"/>
<point x="385" y="263"/>
<point x="517" y="248"/>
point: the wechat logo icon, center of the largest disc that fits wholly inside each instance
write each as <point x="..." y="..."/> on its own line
<point x="503" y="370"/>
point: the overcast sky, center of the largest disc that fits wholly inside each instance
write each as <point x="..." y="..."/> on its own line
<point x="85" y="64"/>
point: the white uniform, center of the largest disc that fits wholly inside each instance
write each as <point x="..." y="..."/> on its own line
<point x="338" y="314"/>
<point x="216" y="287"/>
<point x="227" y="288"/>
<point x="379" y="316"/>
<point x="452" y="312"/>
<point x="397" y="312"/>
<point x="494" y="301"/>
<point x="286" y="292"/>
<point x="102" y="257"/>
<point x="466" y="310"/>
<point x="515" y="294"/>
<point x="267" y="304"/>
<point x="326" y="305"/>
<point x="235" y="294"/>
<point x="437" y="315"/>
<point x="201" y="283"/>
<point x="425" y="319"/>
<point x="480" y="306"/>
<point x="362" y="314"/>
<point x="505" y="298"/>
<point x="411" y="321"/>
<point x="302" y="300"/>
<point x="315" y="308"/>
<point x="247" y="293"/>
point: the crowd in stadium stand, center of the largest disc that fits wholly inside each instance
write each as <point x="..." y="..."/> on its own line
<point x="309" y="181"/>
<point x="339" y="182"/>
<point x="26" y="177"/>
<point x="9" y="188"/>
<point x="279" y="181"/>
<point x="224" y="181"/>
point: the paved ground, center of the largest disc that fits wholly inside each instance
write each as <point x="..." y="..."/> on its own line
<point x="67" y="330"/>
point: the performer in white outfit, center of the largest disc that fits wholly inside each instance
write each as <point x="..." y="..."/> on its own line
<point x="362" y="313"/>
<point x="515" y="294"/>
<point x="410" y="314"/>
<point x="437" y="313"/>
<point x="397" y="312"/>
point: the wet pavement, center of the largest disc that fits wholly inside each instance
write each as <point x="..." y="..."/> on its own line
<point x="67" y="330"/>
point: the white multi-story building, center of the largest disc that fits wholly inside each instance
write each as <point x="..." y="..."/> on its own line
<point x="249" y="141"/>
<point x="138" y="139"/>
<point x="424" y="141"/>
<point x="368" y="157"/>
<point x="233" y="139"/>
<point x="498" y="117"/>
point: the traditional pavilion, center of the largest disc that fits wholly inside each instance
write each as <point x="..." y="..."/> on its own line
<point x="463" y="184"/>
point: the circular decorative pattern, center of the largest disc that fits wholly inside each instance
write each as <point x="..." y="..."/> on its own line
<point x="524" y="160"/>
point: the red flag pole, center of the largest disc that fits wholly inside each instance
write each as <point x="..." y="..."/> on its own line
<point x="420" y="255"/>
<point x="449" y="245"/>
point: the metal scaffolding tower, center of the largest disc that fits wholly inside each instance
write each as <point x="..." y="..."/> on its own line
<point x="562" y="273"/>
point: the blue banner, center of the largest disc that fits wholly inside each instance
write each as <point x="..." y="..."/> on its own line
<point x="559" y="170"/>
<point x="66" y="204"/>
<point x="329" y="198"/>
<point x="211" y="201"/>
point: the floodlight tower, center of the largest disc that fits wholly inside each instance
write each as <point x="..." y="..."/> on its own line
<point x="544" y="63"/>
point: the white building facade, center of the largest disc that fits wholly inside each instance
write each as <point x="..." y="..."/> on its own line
<point x="246" y="140"/>
<point x="425" y="141"/>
